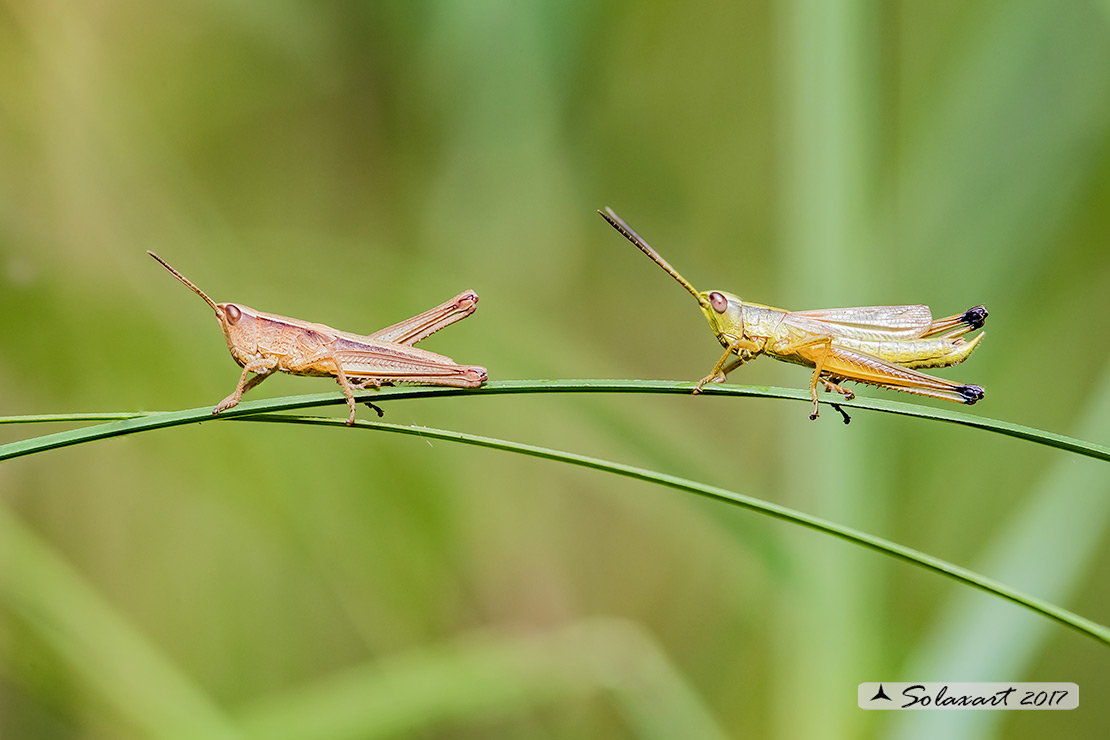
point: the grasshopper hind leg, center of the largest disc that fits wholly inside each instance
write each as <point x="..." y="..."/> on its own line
<point x="971" y="393"/>
<point x="960" y="324"/>
<point x="975" y="317"/>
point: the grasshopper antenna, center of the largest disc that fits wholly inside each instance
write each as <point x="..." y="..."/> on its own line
<point x="616" y="222"/>
<point x="185" y="280"/>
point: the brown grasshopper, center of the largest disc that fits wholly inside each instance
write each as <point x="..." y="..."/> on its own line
<point x="263" y="343"/>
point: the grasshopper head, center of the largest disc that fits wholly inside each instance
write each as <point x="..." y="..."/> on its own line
<point x="725" y="313"/>
<point x="240" y="329"/>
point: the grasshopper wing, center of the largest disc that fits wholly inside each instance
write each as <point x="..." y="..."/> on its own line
<point x="887" y="323"/>
<point x="875" y="323"/>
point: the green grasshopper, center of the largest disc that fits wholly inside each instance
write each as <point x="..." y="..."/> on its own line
<point x="264" y="343"/>
<point x="882" y="346"/>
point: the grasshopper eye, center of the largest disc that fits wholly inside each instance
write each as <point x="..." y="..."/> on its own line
<point x="232" y="312"/>
<point x="718" y="302"/>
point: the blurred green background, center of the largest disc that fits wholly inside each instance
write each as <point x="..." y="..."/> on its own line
<point x="355" y="163"/>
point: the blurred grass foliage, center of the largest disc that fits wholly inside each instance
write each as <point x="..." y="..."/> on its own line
<point x="355" y="163"/>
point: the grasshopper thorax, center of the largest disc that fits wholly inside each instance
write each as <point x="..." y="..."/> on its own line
<point x="725" y="313"/>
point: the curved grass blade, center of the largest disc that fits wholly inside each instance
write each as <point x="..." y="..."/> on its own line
<point x="863" y="539"/>
<point x="130" y="422"/>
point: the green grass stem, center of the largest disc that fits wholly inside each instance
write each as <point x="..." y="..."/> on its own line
<point x="265" y="410"/>
<point x="131" y="422"/>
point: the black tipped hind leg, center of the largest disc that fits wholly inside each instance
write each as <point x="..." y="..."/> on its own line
<point x="970" y="393"/>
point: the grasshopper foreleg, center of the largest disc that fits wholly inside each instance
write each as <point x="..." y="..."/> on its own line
<point x="740" y="360"/>
<point x="262" y="366"/>
<point x="724" y="367"/>
<point x="717" y="375"/>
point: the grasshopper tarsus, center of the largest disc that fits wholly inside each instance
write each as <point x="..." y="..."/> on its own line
<point x="376" y="408"/>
